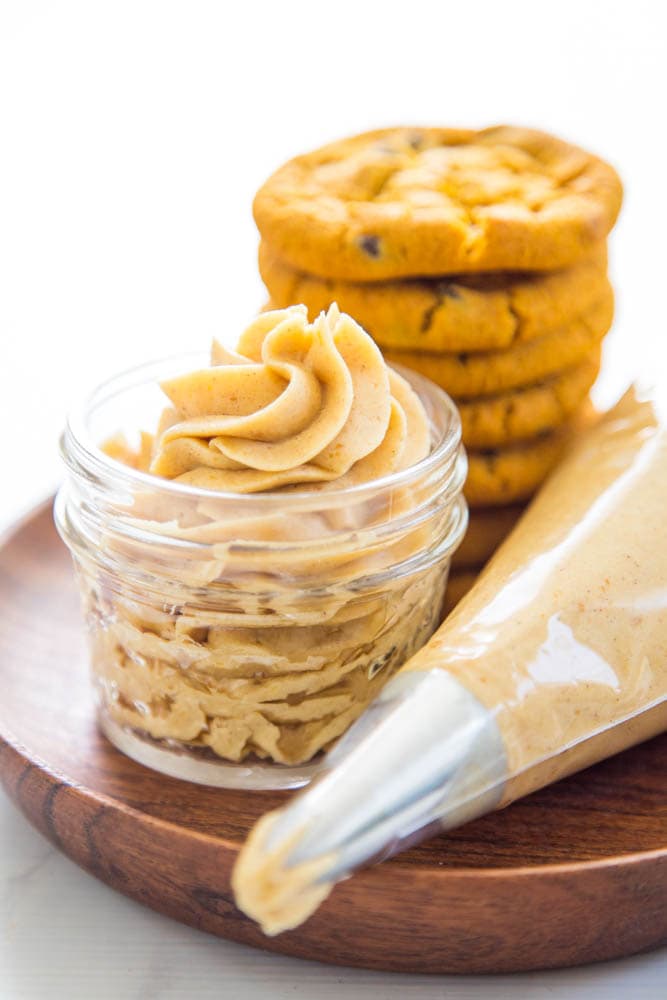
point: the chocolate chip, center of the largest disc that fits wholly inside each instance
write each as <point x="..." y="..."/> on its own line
<point x="447" y="290"/>
<point x="370" y="245"/>
<point x="415" y="141"/>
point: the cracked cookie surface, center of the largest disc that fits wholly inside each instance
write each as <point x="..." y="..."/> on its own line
<point x="402" y="202"/>
<point x="475" y="312"/>
<point x="465" y="375"/>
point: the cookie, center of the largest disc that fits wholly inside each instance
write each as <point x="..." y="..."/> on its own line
<point x="510" y="475"/>
<point x="488" y="373"/>
<point x="458" y="585"/>
<point x="496" y="421"/>
<point x="401" y="202"/>
<point x="487" y="528"/>
<point x="481" y="312"/>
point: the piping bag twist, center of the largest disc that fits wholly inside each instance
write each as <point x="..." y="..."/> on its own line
<point x="556" y="659"/>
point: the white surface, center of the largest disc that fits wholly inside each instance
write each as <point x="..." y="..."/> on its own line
<point x="132" y="137"/>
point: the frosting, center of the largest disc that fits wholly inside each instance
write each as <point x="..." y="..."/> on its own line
<point x="564" y="636"/>
<point x="295" y="404"/>
<point x="562" y="643"/>
<point x="279" y="896"/>
<point x="258" y="629"/>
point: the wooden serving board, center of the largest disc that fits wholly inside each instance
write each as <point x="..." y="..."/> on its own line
<point x="575" y="873"/>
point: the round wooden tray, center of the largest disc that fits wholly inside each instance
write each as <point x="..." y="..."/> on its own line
<point x="575" y="873"/>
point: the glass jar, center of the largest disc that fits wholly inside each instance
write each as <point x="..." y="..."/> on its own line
<point x="233" y="637"/>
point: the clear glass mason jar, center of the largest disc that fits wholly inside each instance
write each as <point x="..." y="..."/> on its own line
<point x="233" y="637"/>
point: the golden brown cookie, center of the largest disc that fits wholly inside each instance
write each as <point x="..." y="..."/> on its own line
<point x="458" y="585"/>
<point x="513" y="474"/>
<point x="487" y="528"/>
<point x="489" y="373"/>
<point x="400" y="202"/>
<point x="496" y="421"/>
<point x="475" y="312"/>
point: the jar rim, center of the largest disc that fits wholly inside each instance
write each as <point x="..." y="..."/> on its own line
<point x="77" y="444"/>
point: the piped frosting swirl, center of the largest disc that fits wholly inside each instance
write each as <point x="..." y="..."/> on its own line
<point x="296" y="404"/>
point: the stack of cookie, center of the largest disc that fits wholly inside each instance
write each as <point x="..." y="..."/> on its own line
<point x="476" y="258"/>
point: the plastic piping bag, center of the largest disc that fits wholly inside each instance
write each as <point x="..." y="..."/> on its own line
<point x="556" y="659"/>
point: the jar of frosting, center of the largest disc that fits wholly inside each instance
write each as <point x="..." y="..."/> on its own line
<point x="254" y="570"/>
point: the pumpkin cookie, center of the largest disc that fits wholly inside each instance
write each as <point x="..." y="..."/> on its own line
<point x="482" y="312"/>
<point x="512" y="474"/>
<point x="495" y="421"/>
<point x="400" y="202"/>
<point x="458" y="585"/>
<point x="487" y="528"/>
<point x="488" y="373"/>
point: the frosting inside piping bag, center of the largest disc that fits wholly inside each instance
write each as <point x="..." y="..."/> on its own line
<point x="559" y="652"/>
<point x="566" y="634"/>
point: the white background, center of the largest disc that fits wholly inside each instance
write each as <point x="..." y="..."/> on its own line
<point x="132" y="138"/>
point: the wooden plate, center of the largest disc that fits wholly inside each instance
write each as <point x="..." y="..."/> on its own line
<point x="575" y="873"/>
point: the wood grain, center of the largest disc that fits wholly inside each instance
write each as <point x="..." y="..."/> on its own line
<point x="575" y="873"/>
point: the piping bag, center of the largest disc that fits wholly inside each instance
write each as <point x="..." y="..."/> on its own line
<point x="554" y="660"/>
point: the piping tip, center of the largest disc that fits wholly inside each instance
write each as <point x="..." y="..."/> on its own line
<point x="425" y="756"/>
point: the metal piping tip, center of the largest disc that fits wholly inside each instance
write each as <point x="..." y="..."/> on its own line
<point x="425" y="756"/>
